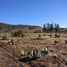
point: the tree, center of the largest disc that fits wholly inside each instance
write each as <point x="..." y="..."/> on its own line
<point x="48" y="26"/>
<point x="51" y="27"/>
<point x="57" y="28"/>
<point x="44" y="27"/>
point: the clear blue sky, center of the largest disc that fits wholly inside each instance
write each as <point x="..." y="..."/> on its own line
<point x="33" y="12"/>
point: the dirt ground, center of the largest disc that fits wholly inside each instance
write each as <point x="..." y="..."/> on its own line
<point x="9" y="54"/>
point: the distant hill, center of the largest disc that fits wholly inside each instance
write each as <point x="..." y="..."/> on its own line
<point x="8" y="27"/>
<point x="25" y="28"/>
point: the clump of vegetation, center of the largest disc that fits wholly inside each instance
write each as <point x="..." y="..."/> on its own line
<point x="4" y="38"/>
<point x="39" y="36"/>
<point x="18" y="33"/>
<point x="51" y="27"/>
<point x="37" y="31"/>
<point x="44" y="34"/>
<point x="22" y="34"/>
<point x="50" y="35"/>
<point x="57" y="36"/>
<point x="55" y="42"/>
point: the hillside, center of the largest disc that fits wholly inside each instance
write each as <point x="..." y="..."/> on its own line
<point x="8" y="27"/>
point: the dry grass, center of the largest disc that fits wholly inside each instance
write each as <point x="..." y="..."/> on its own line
<point x="9" y="54"/>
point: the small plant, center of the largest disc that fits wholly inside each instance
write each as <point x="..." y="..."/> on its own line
<point x="4" y="38"/>
<point x="44" y="34"/>
<point x="23" y="35"/>
<point x="39" y="36"/>
<point x="37" y="31"/>
<point x="55" y="42"/>
<point x="18" y="33"/>
<point x="57" y="36"/>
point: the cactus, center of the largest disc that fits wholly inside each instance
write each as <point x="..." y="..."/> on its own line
<point x="35" y="53"/>
<point x="29" y="52"/>
<point x="44" y="52"/>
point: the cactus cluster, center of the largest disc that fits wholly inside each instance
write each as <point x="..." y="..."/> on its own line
<point x="35" y="53"/>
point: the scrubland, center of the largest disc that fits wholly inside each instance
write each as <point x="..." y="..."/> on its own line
<point x="10" y="54"/>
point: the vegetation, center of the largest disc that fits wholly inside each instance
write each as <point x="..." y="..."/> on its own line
<point x="51" y="27"/>
<point x="18" y="33"/>
<point x="10" y="55"/>
<point x="37" y="31"/>
<point x="4" y="38"/>
<point x="39" y="36"/>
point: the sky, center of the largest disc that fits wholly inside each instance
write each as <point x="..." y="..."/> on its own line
<point x="33" y="12"/>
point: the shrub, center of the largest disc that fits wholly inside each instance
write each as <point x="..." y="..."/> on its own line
<point x="4" y="38"/>
<point x="39" y="36"/>
<point x="37" y="31"/>
<point x="57" y="35"/>
<point x="18" y="34"/>
<point x="44" y="34"/>
<point x="23" y="35"/>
